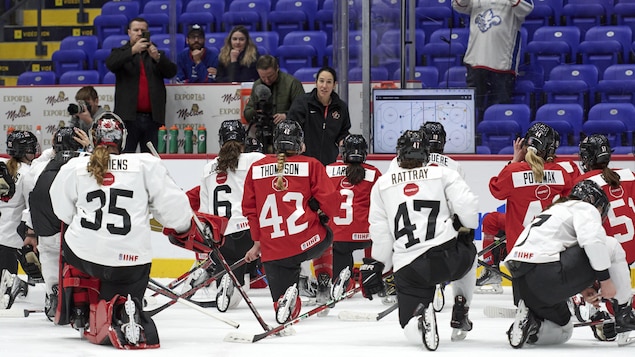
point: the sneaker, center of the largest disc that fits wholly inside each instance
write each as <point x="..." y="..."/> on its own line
<point x="19" y="287"/>
<point x="428" y="326"/>
<point x="131" y="327"/>
<point x="225" y="293"/>
<point x="50" y="303"/>
<point x="6" y="281"/>
<point x="525" y="327"/>
<point x="390" y="296"/>
<point x="286" y="306"/>
<point x="489" y="283"/>
<point x="624" y="317"/>
<point x="323" y="294"/>
<point x="460" y="322"/>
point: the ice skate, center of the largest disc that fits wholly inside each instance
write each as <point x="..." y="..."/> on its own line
<point x="226" y="296"/>
<point x="460" y="322"/>
<point x="130" y="327"/>
<point x="489" y="283"/>
<point x="6" y="281"/>
<point x="323" y="292"/>
<point x="524" y="328"/>
<point x="50" y="303"/>
<point x="286" y="305"/>
<point x="18" y="288"/>
<point x="428" y="327"/>
<point x="341" y="284"/>
<point x="390" y="297"/>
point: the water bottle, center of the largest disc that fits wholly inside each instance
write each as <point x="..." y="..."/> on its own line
<point x="188" y="148"/>
<point x="163" y="135"/>
<point x="38" y="135"/>
<point x="173" y="138"/>
<point x="201" y="140"/>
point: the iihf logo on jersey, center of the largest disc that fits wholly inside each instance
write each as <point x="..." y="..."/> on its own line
<point x="128" y="257"/>
<point x="486" y="20"/>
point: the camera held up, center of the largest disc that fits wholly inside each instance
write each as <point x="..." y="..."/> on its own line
<point x="80" y="107"/>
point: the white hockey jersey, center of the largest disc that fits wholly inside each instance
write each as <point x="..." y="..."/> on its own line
<point x="434" y="160"/>
<point x="411" y="211"/>
<point x="222" y="193"/>
<point x="11" y="211"/>
<point x="110" y="224"/>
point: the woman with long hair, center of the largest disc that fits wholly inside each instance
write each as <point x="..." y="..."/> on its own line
<point x="237" y="58"/>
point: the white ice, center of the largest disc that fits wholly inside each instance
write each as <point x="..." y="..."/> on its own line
<point x="185" y="332"/>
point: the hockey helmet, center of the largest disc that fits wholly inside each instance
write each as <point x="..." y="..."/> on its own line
<point x="542" y="139"/>
<point x="253" y="145"/>
<point x="20" y="143"/>
<point x="594" y="149"/>
<point x="589" y="191"/>
<point x="288" y="136"/>
<point x="63" y="140"/>
<point x="435" y="132"/>
<point x="109" y="130"/>
<point x="231" y="130"/>
<point x="354" y="149"/>
<point x="413" y="145"/>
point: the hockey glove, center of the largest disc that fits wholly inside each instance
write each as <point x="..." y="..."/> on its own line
<point x="197" y="241"/>
<point x="371" y="281"/>
<point x="7" y="184"/>
<point x="30" y="263"/>
<point x="605" y="331"/>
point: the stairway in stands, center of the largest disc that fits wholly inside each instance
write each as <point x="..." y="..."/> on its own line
<point x="59" y="19"/>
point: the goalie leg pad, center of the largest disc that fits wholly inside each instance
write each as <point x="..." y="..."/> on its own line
<point x="119" y="321"/>
<point x="77" y="291"/>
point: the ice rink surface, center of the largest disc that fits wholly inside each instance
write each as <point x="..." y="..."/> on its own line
<point x="185" y="332"/>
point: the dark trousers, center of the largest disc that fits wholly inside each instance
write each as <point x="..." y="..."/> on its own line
<point x="141" y="131"/>
<point x="490" y="87"/>
<point x="343" y="255"/>
<point x="235" y="247"/>
<point x="546" y="287"/>
<point x="8" y="259"/>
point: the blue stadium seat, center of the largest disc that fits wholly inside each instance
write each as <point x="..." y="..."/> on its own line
<point x="109" y="78"/>
<point x="216" y="40"/>
<point x="454" y="77"/>
<point x="253" y="14"/>
<point x="162" y="7"/>
<point x="500" y="113"/>
<point x="624" y="14"/>
<point x="496" y="135"/>
<point x="157" y="22"/>
<point x="552" y="46"/>
<point x="68" y="60"/>
<point x="432" y="15"/>
<point x="108" y="25"/>
<point x="164" y="41"/>
<point x="42" y="78"/>
<point x="376" y="74"/>
<point x="387" y="52"/>
<point x="604" y="46"/>
<point x="88" y="44"/>
<point x="443" y="55"/>
<point x="585" y="14"/>
<point x="429" y="76"/>
<point x="623" y="150"/>
<point x="215" y="7"/>
<point x="101" y="54"/>
<point x="355" y="46"/>
<point x="302" y="49"/>
<point x="571" y="114"/>
<point x="204" y="19"/>
<point x="572" y="83"/>
<point x="130" y="9"/>
<point x="460" y="35"/>
<point x="306" y="74"/>
<point x="84" y="78"/>
<point x="618" y="84"/>
<point x="545" y="13"/>
<point x="268" y="40"/>
<point x="293" y="15"/>
<point x="613" y="129"/>
<point x="624" y="112"/>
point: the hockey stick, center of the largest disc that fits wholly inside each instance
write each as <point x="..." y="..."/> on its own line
<point x="194" y="289"/>
<point x="208" y="236"/>
<point x="494" y="270"/>
<point x="366" y="316"/>
<point x="167" y="292"/>
<point x="181" y="279"/>
<point x="244" y="338"/>
<point x="18" y="312"/>
<point x="495" y="244"/>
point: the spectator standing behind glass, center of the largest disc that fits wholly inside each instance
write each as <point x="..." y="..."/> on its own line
<point x="196" y="64"/>
<point x="324" y="117"/>
<point x="237" y="58"/>
<point x="284" y="89"/>
<point x="493" y="50"/>
<point x="84" y="119"/>
<point x="140" y="69"/>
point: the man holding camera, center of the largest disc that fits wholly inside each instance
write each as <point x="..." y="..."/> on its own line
<point x="86" y="109"/>
<point x="140" y="96"/>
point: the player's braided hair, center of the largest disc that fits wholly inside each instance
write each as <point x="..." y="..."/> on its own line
<point x="282" y="158"/>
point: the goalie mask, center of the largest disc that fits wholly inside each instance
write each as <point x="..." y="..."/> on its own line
<point x="354" y="149"/>
<point x="594" y="149"/>
<point x="413" y="145"/>
<point x="541" y="138"/>
<point x="435" y="132"/>
<point x="591" y="192"/>
<point x="109" y="130"/>
<point x="288" y="136"/>
<point x="231" y="130"/>
<point x="20" y="143"/>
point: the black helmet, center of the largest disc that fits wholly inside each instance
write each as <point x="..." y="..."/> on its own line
<point x="231" y="130"/>
<point x="542" y="138"/>
<point x="253" y="145"/>
<point x="109" y="130"/>
<point x="413" y="145"/>
<point x="354" y="149"/>
<point x="63" y="140"/>
<point x="589" y="191"/>
<point x="436" y="136"/>
<point x="594" y="149"/>
<point x="20" y="143"/>
<point x="288" y="136"/>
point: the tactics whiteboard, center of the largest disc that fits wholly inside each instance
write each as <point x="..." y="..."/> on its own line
<point x="397" y="110"/>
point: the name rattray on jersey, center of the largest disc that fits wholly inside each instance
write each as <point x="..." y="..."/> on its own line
<point x="526" y="197"/>
<point x="620" y="220"/>
<point x="351" y="224"/>
<point x="281" y="219"/>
